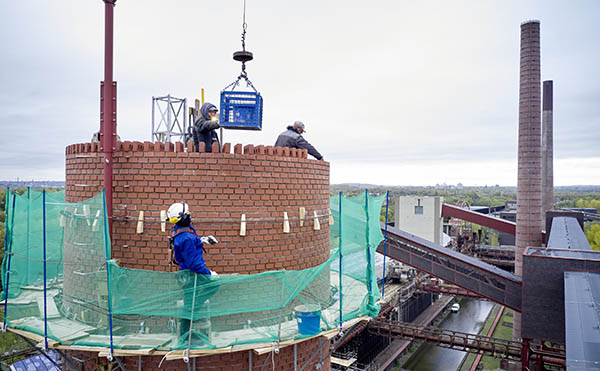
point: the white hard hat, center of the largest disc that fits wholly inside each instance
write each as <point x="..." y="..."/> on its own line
<point x="177" y="211"/>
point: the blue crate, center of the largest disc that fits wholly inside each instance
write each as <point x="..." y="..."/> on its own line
<point x="241" y="110"/>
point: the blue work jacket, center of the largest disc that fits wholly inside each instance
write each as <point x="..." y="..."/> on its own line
<point x="188" y="251"/>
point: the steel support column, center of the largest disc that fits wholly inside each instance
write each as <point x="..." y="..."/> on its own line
<point x="525" y="354"/>
<point x="108" y="109"/>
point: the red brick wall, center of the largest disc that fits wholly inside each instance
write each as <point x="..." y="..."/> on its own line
<point x="84" y="266"/>
<point x="309" y="354"/>
<point x="262" y="183"/>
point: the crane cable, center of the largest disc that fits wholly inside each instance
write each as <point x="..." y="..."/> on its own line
<point x="244" y="25"/>
<point x="243" y="57"/>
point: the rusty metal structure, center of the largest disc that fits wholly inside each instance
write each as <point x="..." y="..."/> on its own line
<point x="506" y="349"/>
<point x="539" y="294"/>
<point x="459" y="269"/>
<point x="498" y="224"/>
<point x="108" y="109"/>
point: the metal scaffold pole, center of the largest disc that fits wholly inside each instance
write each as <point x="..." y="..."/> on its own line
<point x="45" y="293"/>
<point x="341" y="255"/>
<point x="8" y="250"/>
<point x="387" y="203"/>
<point x="368" y="239"/>
<point x="107" y="254"/>
<point x="6" y="205"/>
<point x="108" y="112"/>
<point x="28" y="221"/>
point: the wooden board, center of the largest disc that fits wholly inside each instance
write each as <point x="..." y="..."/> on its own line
<point x="343" y="362"/>
<point x="31" y="296"/>
<point x="148" y="341"/>
<point x="51" y="309"/>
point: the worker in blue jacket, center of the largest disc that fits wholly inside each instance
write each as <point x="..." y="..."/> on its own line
<point x="197" y="281"/>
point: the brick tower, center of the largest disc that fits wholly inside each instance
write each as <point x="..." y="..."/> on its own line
<point x="260" y="182"/>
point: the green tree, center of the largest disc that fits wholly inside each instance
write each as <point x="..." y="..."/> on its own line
<point x="592" y="232"/>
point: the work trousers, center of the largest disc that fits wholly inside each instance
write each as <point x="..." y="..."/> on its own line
<point x="205" y="287"/>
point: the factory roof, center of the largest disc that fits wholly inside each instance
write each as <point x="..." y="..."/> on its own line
<point x="567" y="234"/>
<point x="582" y="320"/>
<point x="564" y="253"/>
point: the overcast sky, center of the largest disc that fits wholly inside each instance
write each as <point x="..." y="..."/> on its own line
<point x="391" y="92"/>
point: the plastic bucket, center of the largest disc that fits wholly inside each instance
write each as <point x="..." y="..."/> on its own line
<point x="308" y="318"/>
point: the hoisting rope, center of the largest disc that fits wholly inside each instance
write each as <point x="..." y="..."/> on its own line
<point x="243" y="74"/>
<point x="244" y="25"/>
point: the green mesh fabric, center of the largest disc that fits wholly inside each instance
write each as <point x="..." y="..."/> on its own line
<point x="360" y="232"/>
<point x="87" y="295"/>
<point x="25" y="239"/>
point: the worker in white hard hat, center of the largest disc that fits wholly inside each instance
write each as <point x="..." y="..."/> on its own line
<point x="195" y="278"/>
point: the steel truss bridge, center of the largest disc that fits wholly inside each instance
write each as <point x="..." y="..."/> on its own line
<point x="511" y="350"/>
<point x="461" y="270"/>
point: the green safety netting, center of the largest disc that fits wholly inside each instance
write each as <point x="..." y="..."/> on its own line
<point x="84" y="298"/>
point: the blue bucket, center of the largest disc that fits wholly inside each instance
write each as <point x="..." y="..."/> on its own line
<point x="308" y="318"/>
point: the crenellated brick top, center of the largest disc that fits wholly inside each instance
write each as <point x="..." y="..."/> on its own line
<point x="179" y="147"/>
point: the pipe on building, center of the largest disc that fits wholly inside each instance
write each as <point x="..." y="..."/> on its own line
<point x="108" y="109"/>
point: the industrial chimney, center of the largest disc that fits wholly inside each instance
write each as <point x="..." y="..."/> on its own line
<point x="529" y="182"/>
<point x="547" y="151"/>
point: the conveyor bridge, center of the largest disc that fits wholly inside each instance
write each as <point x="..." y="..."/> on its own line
<point x="461" y="270"/>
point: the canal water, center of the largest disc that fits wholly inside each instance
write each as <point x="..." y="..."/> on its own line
<point x="470" y="318"/>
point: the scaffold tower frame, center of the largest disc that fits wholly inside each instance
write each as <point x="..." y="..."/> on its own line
<point x="172" y="123"/>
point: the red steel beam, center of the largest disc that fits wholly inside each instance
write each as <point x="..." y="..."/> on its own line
<point x="498" y="224"/>
<point x="108" y="111"/>
<point x="455" y="290"/>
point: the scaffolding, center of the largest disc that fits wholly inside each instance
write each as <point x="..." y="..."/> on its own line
<point x="63" y="289"/>
<point x="171" y="122"/>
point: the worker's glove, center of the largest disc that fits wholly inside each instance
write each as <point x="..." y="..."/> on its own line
<point x="211" y="240"/>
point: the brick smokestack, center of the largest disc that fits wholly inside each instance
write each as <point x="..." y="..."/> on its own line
<point x="547" y="151"/>
<point x="529" y="182"/>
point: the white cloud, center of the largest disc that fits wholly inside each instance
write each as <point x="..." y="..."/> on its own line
<point x="426" y="88"/>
